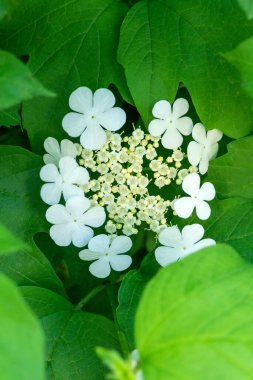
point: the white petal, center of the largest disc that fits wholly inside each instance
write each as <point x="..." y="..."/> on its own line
<point x="81" y="235"/>
<point x="81" y="100"/>
<point x="194" y="150"/>
<point x="74" y="124"/>
<point x="172" y="139"/>
<point x="191" y="184"/>
<point x="203" y="166"/>
<point x="171" y="237"/>
<point x="68" y="148"/>
<point x="94" y="217"/>
<point x="100" y="268"/>
<point x="48" y="159"/>
<point x="79" y="176"/>
<point x="165" y="255"/>
<point x="207" y="191"/>
<point x="120" y="262"/>
<point x="51" y="193"/>
<point x="184" y="125"/>
<point x="100" y="243"/>
<point x="67" y="165"/>
<point x="192" y="234"/>
<point x="52" y="147"/>
<point x="103" y="100"/>
<point x="157" y="127"/>
<point x="70" y="191"/>
<point x="88" y="255"/>
<point x="49" y="173"/>
<point x="200" y="245"/>
<point x="199" y="133"/>
<point x="180" y="107"/>
<point x="93" y="137"/>
<point x="61" y="234"/>
<point x="214" y="136"/>
<point x="184" y="207"/>
<point x="58" y="214"/>
<point x="76" y="206"/>
<point x="113" y="119"/>
<point x="120" y="244"/>
<point x="212" y="151"/>
<point x="162" y="109"/>
<point x="203" y="210"/>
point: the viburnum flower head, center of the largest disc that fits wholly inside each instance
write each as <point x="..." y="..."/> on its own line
<point x="63" y="180"/>
<point x="170" y="122"/>
<point x="176" y="245"/>
<point x="198" y="196"/>
<point x="92" y="115"/>
<point x="108" y="252"/>
<point x="55" y="151"/>
<point x="73" y="222"/>
<point x="204" y="148"/>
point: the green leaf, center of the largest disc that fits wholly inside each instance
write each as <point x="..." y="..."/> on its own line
<point x="195" y="319"/>
<point x="164" y="42"/>
<point x="232" y="174"/>
<point x="30" y="267"/>
<point x="8" y="242"/>
<point x="71" y="336"/>
<point x="10" y="117"/>
<point x="21" y="339"/>
<point x="69" y="46"/>
<point x="22" y="210"/>
<point x="16" y="82"/>
<point x="242" y="57"/>
<point x="247" y="6"/>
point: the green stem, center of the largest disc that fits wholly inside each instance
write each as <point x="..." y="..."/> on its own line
<point x="89" y="296"/>
<point x="122" y="338"/>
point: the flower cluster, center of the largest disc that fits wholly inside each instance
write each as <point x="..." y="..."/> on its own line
<point x="118" y="183"/>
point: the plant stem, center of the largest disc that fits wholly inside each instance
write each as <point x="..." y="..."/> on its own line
<point x="89" y="296"/>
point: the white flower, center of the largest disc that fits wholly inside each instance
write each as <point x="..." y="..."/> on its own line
<point x="176" y="245"/>
<point x="198" y="195"/>
<point x="204" y="148"/>
<point x="73" y="222"/>
<point x="93" y="114"/>
<point x="170" y="122"/>
<point x="64" y="180"/>
<point x="107" y="251"/>
<point x="55" y="151"/>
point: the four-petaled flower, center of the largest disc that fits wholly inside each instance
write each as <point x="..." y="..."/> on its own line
<point x="65" y="180"/>
<point x="107" y="251"/>
<point x="170" y="122"/>
<point x="55" y="151"/>
<point x="93" y="114"/>
<point x="176" y="245"/>
<point x="197" y="196"/>
<point x="73" y="222"/>
<point x="204" y="148"/>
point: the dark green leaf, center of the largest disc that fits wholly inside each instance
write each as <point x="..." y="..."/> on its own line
<point x="195" y="319"/>
<point x="165" y="42"/>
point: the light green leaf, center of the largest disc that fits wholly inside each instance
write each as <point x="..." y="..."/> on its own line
<point x="247" y="6"/>
<point x="242" y="58"/>
<point x="21" y="338"/>
<point x="164" y="43"/>
<point x="71" y="336"/>
<point x="16" y="82"/>
<point x="22" y="210"/>
<point x="8" y="242"/>
<point x="69" y="46"/>
<point x="195" y="319"/>
<point x="232" y="174"/>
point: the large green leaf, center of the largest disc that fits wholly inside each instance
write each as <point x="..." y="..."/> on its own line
<point x="165" y="42"/>
<point x="21" y="339"/>
<point x="22" y="210"/>
<point x="8" y="242"/>
<point x="71" y="336"/>
<point x="16" y="82"/>
<point x="195" y="319"/>
<point x="232" y="174"/>
<point x="247" y="6"/>
<point x="69" y="46"/>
